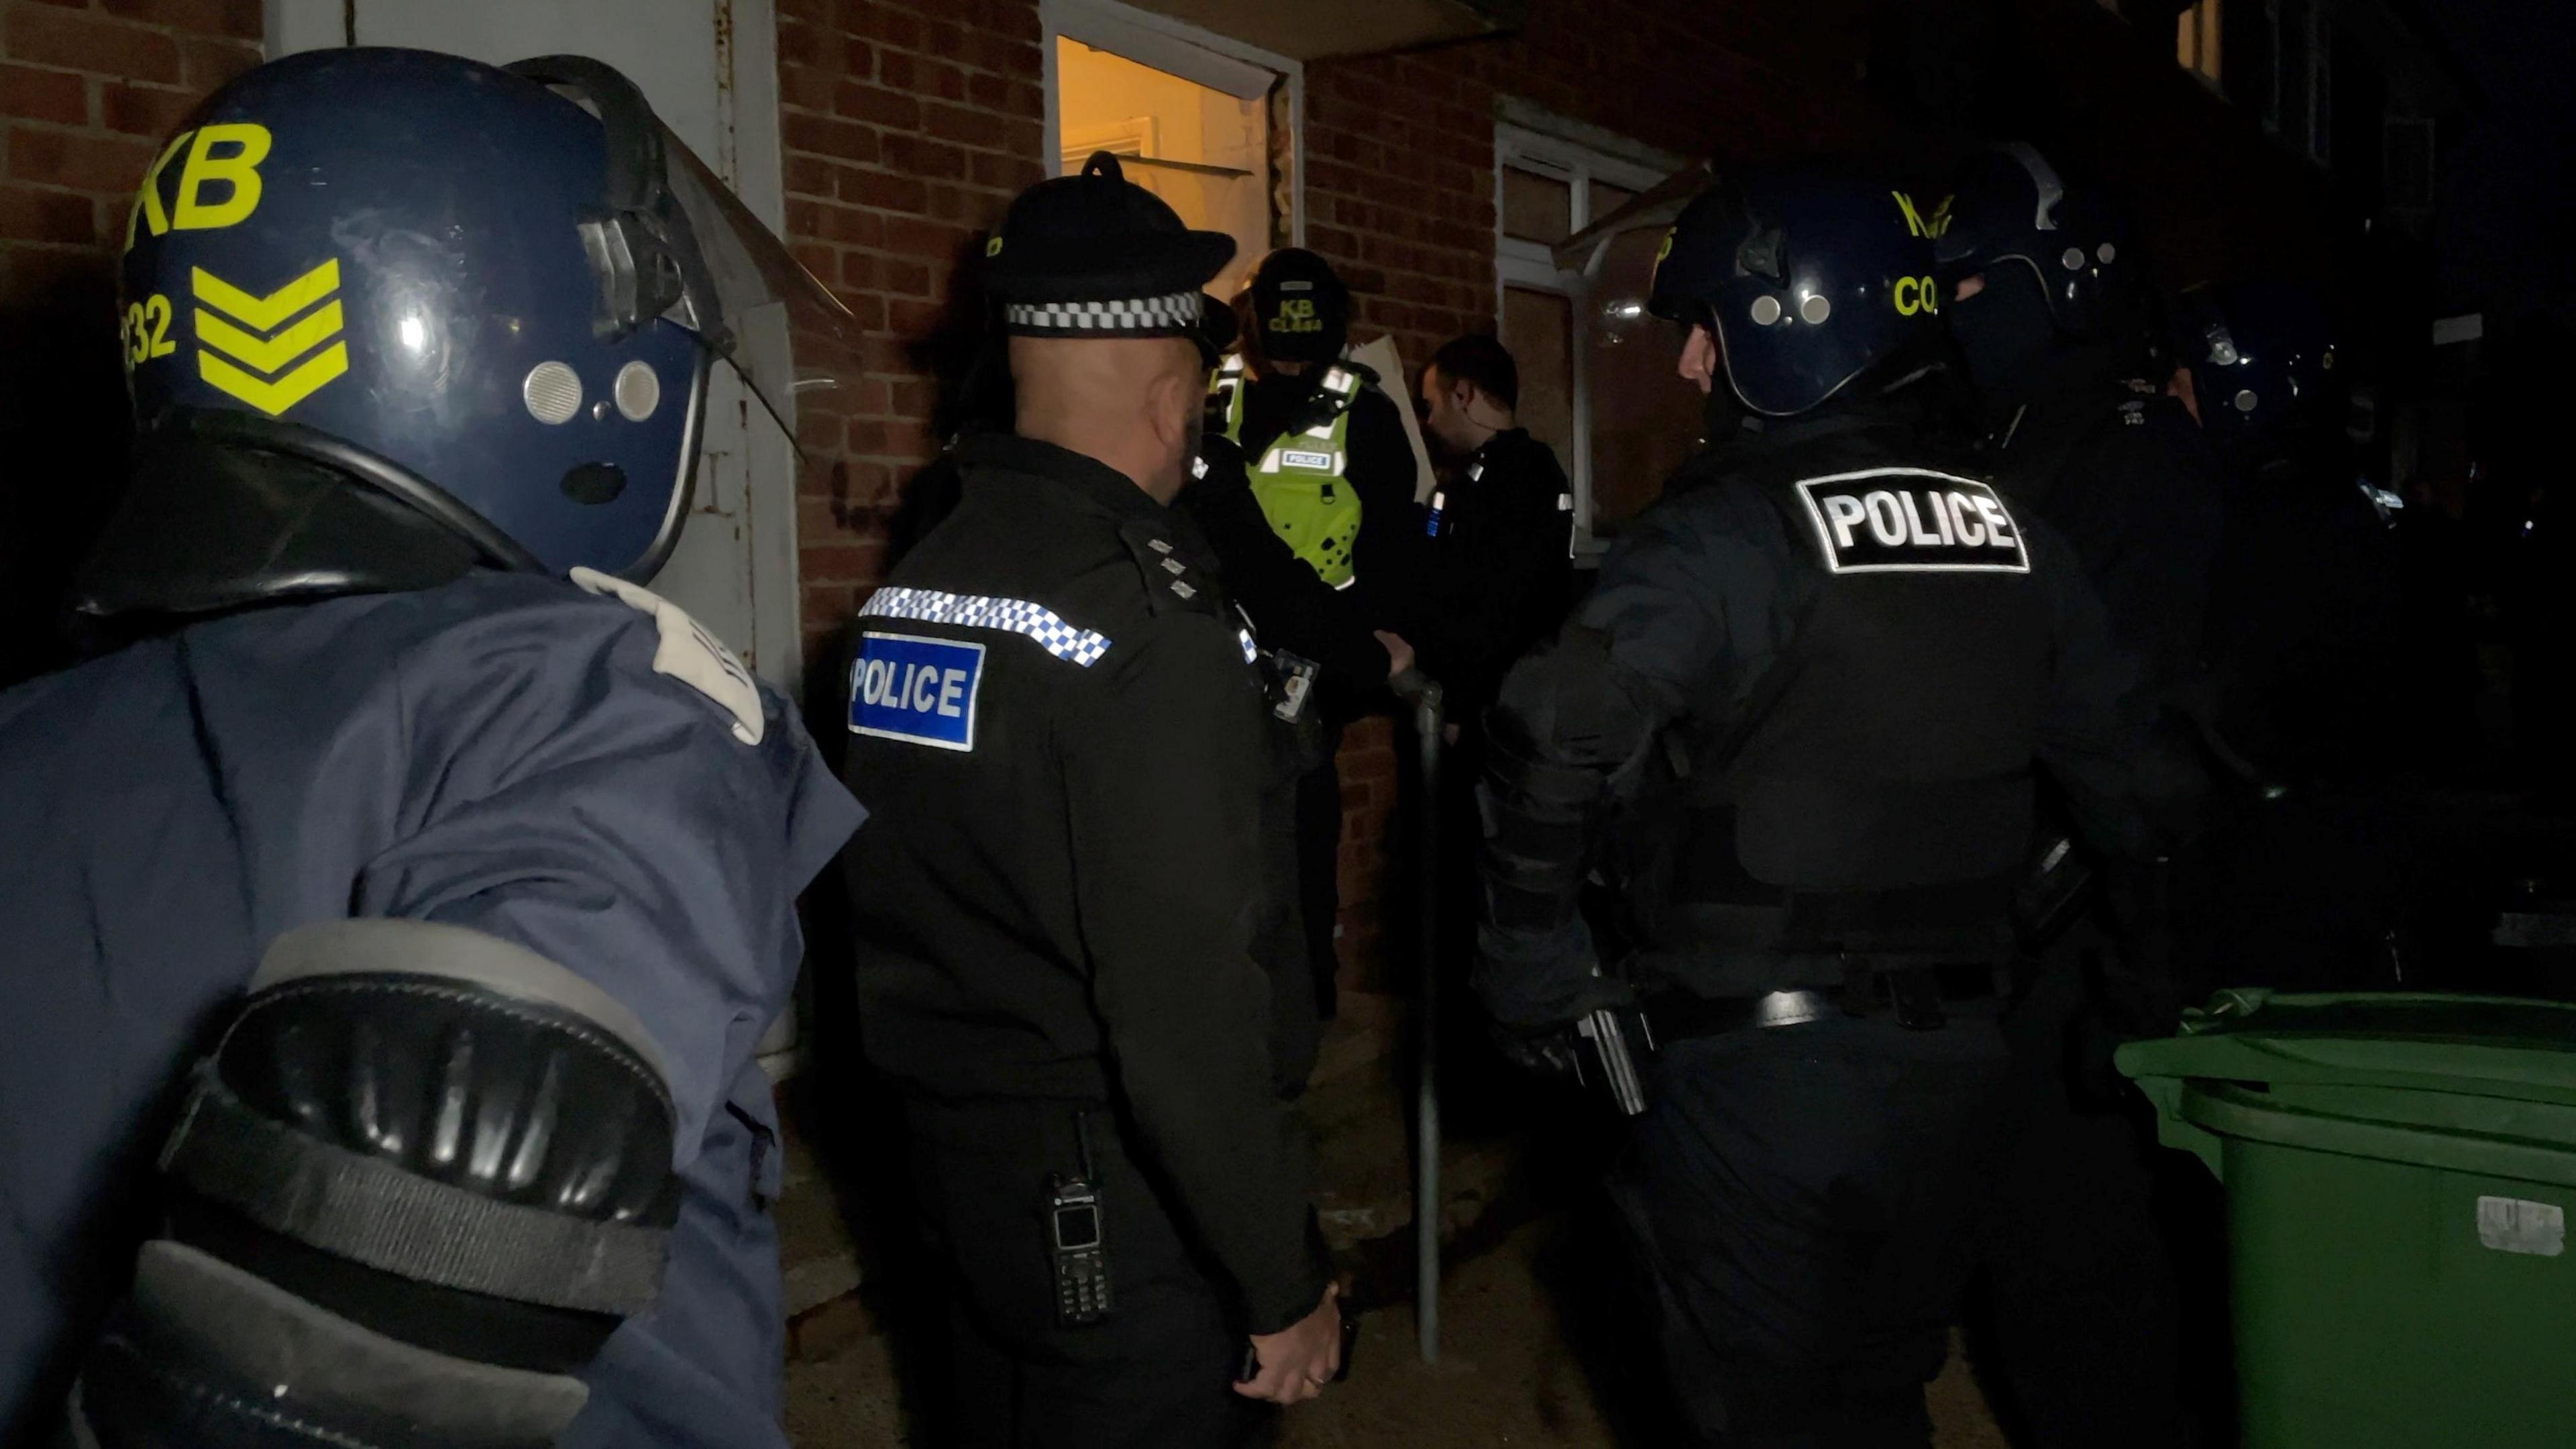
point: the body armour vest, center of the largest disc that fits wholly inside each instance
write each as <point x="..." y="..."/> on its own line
<point x="1297" y="476"/>
<point x="1873" y="792"/>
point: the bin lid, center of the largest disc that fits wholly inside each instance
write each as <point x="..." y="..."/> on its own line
<point x="2482" y="1045"/>
<point x="2484" y="1084"/>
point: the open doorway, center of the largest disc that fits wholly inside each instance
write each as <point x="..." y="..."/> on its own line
<point x="1190" y="116"/>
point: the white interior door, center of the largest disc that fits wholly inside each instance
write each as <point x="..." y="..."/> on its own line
<point x="710" y="68"/>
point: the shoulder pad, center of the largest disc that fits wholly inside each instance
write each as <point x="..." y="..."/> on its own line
<point x="688" y="653"/>
<point x="1171" y="585"/>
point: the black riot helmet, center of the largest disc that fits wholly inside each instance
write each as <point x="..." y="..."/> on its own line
<point x="2262" y="361"/>
<point x="1811" y="282"/>
<point x="2010" y="215"/>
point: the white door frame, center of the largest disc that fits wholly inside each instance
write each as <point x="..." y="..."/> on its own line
<point x="1531" y="266"/>
<point x="1176" y="47"/>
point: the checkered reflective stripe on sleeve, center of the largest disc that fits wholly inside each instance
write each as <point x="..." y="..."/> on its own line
<point x="977" y="611"/>
<point x="1173" y="312"/>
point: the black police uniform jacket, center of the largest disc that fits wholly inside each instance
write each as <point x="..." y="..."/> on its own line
<point x="1498" y="566"/>
<point x="1816" y="674"/>
<point x="1056" y="720"/>
<point x="2122" y="473"/>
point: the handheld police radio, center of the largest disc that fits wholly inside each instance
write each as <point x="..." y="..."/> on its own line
<point x="1077" y="1243"/>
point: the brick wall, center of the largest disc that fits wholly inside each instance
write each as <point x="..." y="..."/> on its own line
<point x="908" y="125"/>
<point x="87" y="87"/>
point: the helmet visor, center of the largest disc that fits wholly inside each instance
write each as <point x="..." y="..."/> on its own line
<point x="793" y="343"/>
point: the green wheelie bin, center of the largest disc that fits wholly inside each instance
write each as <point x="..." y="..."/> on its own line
<point x="2399" y="1171"/>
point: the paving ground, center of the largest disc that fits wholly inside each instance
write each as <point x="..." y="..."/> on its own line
<point x="1513" y="1370"/>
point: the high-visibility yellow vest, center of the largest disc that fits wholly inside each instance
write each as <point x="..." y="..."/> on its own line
<point x="1298" y="479"/>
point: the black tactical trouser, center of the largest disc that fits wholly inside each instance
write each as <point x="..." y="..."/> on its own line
<point x="1803" y="1196"/>
<point x="2079" y="1289"/>
<point x="1319" y="867"/>
<point x="1158" y="1373"/>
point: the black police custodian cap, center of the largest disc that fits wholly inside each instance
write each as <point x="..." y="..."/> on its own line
<point x="1096" y="255"/>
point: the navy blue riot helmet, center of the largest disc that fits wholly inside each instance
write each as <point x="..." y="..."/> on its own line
<point x="391" y="314"/>
<point x="2262" y="361"/>
<point x="1809" y="280"/>
<point x="2011" y="217"/>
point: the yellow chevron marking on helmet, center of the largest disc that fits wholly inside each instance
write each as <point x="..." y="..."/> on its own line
<point x="221" y="345"/>
<point x="274" y="398"/>
<point x="269" y="354"/>
<point x="266" y="312"/>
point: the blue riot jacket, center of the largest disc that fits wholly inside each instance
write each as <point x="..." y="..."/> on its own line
<point x="506" y="753"/>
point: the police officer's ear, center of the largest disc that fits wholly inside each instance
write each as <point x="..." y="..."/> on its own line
<point x="1176" y="402"/>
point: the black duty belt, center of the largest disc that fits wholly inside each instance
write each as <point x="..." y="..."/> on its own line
<point x="1913" y="994"/>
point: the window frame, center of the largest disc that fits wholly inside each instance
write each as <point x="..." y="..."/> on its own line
<point x="1531" y="266"/>
<point x="1203" y="57"/>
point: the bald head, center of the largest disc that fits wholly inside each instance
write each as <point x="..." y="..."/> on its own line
<point x="1132" y="403"/>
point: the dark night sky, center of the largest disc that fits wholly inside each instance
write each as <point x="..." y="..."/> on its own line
<point x="2508" y="214"/>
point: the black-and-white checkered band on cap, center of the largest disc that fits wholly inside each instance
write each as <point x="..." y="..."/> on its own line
<point x="1173" y="312"/>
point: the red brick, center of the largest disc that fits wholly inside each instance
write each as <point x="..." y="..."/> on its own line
<point x="939" y="80"/>
<point x="111" y="164"/>
<point x="845" y="226"/>
<point x="906" y="279"/>
<point x="799" y="44"/>
<point x="240" y="19"/>
<point x="91" y="43"/>
<point x="884" y="24"/>
<point x="206" y="64"/>
<point x="914" y="237"/>
<point x="842" y="560"/>
<point x="933" y="160"/>
<point x="143" y="111"/>
<point x="824" y="136"/>
<point x="858" y="60"/>
<point x="1002" y="173"/>
<point x="1004" y="57"/>
<point x="914" y="319"/>
<point x="966" y="127"/>
<point x="44" y="95"/>
<point x="27" y="214"/>
<point x="807" y="176"/>
<point x="813" y="257"/>
<point x="944" y="39"/>
<point x="867" y="314"/>
<point x="876" y="105"/>
<point x="881" y="189"/>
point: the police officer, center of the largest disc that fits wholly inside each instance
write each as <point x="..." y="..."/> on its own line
<point x="1795" y="726"/>
<point x="1499" y="535"/>
<point x="1326" y="449"/>
<point x="463" y="864"/>
<point x="2049" y="308"/>
<point x="1325" y="455"/>
<point x="2307" y="586"/>
<point x="2317" y="663"/>
<point x="1056" y="716"/>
